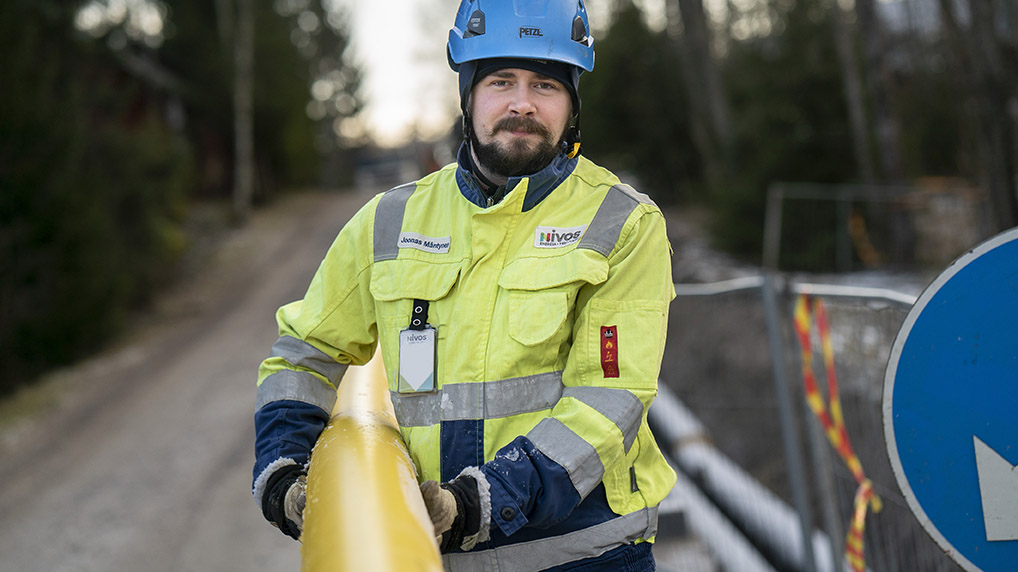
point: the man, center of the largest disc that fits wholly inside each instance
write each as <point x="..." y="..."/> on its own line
<point x="519" y="298"/>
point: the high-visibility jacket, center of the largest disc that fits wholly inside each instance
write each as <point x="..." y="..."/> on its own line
<point x="551" y="310"/>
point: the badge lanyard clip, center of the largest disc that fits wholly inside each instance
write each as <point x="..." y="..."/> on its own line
<point x="417" y="346"/>
<point x="419" y="316"/>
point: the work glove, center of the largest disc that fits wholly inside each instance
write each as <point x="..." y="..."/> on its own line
<point x="455" y="510"/>
<point x="284" y="499"/>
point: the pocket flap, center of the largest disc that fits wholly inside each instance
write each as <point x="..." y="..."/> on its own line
<point x="412" y="279"/>
<point x="536" y="316"/>
<point x="540" y="273"/>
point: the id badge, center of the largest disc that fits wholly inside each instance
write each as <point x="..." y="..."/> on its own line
<point x="417" y="360"/>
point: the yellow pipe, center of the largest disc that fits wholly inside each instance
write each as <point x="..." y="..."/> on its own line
<point x="364" y="508"/>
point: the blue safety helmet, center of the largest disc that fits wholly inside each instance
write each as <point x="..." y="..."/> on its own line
<point x="555" y="30"/>
<point x="548" y="36"/>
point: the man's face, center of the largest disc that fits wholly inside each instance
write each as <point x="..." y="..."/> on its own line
<point x="519" y="118"/>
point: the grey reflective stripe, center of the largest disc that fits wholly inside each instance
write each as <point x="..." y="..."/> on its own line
<point x="292" y="385"/>
<point x="557" y="550"/>
<point x="619" y="405"/>
<point x="488" y="400"/>
<point x="578" y="457"/>
<point x="634" y="194"/>
<point x="389" y="221"/>
<point x="604" y="229"/>
<point x="302" y="354"/>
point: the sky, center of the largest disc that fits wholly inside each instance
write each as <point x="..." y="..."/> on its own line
<point x="406" y="83"/>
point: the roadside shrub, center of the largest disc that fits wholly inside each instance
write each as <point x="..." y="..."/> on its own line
<point x="92" y="189"/>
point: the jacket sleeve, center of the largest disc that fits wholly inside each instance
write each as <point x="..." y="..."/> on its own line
<point x="610" y="379"/>
<point x="332" y="327"/>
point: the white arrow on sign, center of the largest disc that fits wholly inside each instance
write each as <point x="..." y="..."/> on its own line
<point x="998" y="487"/>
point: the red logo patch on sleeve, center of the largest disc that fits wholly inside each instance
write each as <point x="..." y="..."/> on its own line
<point x="610" y="351"/>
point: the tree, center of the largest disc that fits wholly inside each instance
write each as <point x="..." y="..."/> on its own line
<point x="788" y="114"/>
<point x="708" y="109"/>
<point x="885" y="122"/>
<point x="243" y="87"/>
<point x="986" y="65"/>
<point x="299" y="43"/>
<point x="845" y="44"/>
<point x="634" y="110"/>
<point x="93" y="180"/>
<point x="114" y="124"/>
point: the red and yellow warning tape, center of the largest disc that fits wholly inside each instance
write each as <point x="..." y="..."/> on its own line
<point x="830" y="415"/>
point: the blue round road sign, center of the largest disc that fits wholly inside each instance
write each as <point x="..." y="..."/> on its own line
<point x="950" y="407"/>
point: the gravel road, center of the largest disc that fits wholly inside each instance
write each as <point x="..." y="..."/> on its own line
<point x="140" y="458"/>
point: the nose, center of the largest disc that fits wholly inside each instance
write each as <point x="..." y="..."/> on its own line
<point x="522" y="102"/>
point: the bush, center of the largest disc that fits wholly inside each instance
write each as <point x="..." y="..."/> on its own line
<point x="93" y="185"/>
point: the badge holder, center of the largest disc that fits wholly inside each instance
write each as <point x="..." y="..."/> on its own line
<point x="417" y="347"/>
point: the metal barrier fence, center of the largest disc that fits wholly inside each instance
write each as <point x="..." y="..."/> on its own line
<point x="724" y="355"/>
<point x="853" y="227"/>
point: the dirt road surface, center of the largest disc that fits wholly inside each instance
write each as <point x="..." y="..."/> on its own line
<point x="140" y="459"/>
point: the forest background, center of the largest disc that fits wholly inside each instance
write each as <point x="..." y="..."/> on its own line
<point x="118" y="117"/>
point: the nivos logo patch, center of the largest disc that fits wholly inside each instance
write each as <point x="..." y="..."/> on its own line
<point x="554" y="237"/>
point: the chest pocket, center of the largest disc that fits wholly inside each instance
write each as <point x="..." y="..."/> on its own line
<point x="395" y="284"/>
<point x="541" y="292"/>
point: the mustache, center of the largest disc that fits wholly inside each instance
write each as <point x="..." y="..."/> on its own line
<point x="525" y="124"/>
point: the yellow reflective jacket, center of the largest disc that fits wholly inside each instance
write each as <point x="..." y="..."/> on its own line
<point x="551" y="310"/>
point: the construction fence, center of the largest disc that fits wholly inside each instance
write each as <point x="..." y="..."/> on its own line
<point x="734" y="359"/>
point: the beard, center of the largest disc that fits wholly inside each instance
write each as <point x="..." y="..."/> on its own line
<point x="517" y="158"/>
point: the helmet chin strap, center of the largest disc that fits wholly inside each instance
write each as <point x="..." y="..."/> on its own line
<point x="468" y="129"/>
<point x="571" y="142"/>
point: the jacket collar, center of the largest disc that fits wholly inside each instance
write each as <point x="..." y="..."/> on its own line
<point x="542" y="183"/>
